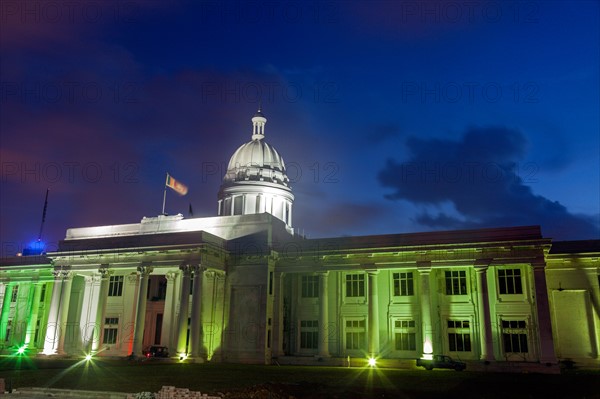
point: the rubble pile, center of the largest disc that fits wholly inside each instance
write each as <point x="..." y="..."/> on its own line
<point x="170" y="392"/>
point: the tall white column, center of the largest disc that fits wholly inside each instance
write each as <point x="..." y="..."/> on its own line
<point x="35" y="307"/>
<point x="22" y="312"/>
<point x="140" y="317"/>
<point x="323" y="315"/>
<point x="89" y="307"/>
<point x="424" y="269"/>
<point x="63" y="310"/>
<point x="546" y="344"/>
<point x="169" y="315"/>
<point x="373" y="308"/>
<point x="102" y="297"/>
<point x="184" y="301"/>
<point x="483" y="313"/>
<point x="53" y="328"/>
<point x="196" y="341"/>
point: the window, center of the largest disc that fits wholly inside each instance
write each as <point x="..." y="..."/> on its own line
<point x="355" y="334"/>
<point x="355" y="285"/>
<point x="238" y="204"/>
<point x="115" y="286"/>
<point x="43" y="293"/>
<point x="111" y="326"/>
<point x="459" y="336"/>
<point x="405" y="335"/>
<point x="456" y="282"/>
<point x="8" y="330"/>
<point x="514" y="336"/>
<point x="509" y="281"/>
<point x="310" y="286"/>
<point x="36" y="336"/>
<point x="309" y="334"/>
<point x="270" y="283"/>
<point x="14" y="293"/>
<point x="403" y="284"/>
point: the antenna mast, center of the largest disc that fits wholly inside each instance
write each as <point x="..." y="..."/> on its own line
<point x="43" y="216"/>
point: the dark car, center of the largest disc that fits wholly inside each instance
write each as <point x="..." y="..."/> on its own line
<point x="441" y="362"/>
<point x="156" y="351"/>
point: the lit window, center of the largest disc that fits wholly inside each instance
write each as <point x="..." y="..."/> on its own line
<point x="355" y="285"/>
<point x="509" y="281"/>
<point x="111" y="326"/>
<point x="310" y="286"/>
<point x="514" y="336"/>
<point x="309" y="334"/>
<point x="459" y="336"/>
<point x="405" y="335"/>
<point x="115" y="286"/>
<point x="355" y="334"/>
<point x="403" y="284"/>
<point x="456" y="282"/>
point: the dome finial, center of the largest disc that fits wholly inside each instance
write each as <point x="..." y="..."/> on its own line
<point x="258" y="124"/>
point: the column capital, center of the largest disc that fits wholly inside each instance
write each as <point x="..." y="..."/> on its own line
<point x="185" y="268"/>
<point x="171" y="276"/>
<point x="104" y="271"/>
<point x="144" y="269"/>
<point x="197" y="268"/>
<point x="62" y="274"/>
<point x="67" y="275"/>
<point x="323" y="272"/>
<point x="372" y="272"/>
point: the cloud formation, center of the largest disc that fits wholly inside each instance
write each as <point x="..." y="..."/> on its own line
<point x="483" y="176"/>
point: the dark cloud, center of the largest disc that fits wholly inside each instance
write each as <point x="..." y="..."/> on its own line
<point x="381" y="133"/>
<point x="341" y="219"/>
<point x="484" y="177"/>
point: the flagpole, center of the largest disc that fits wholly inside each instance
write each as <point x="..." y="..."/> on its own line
<point x="165" y="195"/>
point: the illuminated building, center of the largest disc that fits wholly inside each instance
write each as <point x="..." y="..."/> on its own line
<point x="242" y="287"/>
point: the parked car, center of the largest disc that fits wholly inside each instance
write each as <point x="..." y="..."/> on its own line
<point x="156" y="351"/>
<point x="441" y="362"/>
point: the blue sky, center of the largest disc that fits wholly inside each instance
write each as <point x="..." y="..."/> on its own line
<point x="392" y="117"/>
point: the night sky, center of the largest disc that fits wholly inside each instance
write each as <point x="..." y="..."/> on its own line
<point x="392" y="116"/>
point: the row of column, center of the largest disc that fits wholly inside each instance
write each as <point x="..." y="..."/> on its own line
<point x="61" y="295"/>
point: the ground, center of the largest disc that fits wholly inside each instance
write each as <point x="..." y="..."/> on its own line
<point x="234" y="381"/>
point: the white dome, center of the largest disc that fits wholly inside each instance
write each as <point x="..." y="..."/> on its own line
<point x="258" y="161"/>
<point x="256" y="181"/>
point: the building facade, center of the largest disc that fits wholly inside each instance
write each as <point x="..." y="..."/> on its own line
<point x="242" y="287"/>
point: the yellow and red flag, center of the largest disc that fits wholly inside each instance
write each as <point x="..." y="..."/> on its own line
<point x="176" y="185"/>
